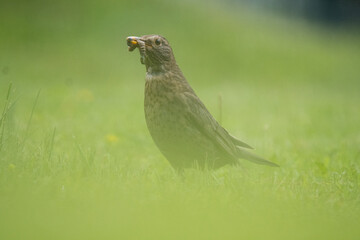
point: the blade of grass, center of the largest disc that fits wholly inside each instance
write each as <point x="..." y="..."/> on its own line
<point x="52" y="144"/>
<point x="30" y="119"/>
<point x="7" y="100"/>
<point x="7" y="107"/>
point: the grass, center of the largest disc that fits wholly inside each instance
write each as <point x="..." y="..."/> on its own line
<point x="77" y="162"/>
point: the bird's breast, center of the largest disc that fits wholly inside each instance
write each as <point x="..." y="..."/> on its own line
<point x="163" y="113"/>
<point x="159" y="100"/>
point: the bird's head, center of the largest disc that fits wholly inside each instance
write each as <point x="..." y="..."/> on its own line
<point x="155" y="52"/>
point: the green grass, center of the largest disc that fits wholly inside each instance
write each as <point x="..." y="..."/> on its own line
<point x="76" y="159"/>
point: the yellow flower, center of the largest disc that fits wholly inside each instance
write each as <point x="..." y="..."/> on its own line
<point x="111" y="138"/>
<point x="85" y="95"/>
<point x="12" y="166"/>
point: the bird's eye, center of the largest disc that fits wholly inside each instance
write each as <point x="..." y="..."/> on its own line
<point x="157" y="42"/>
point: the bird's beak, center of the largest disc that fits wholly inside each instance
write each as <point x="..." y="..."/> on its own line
<point x="132" y="42"/>
<point x="137" y="42"/>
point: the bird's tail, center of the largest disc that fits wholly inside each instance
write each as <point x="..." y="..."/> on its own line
<point x="254" y="158"/>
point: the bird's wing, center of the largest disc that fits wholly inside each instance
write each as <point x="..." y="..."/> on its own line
<point x="239" y="142"/>
<point x="199" y="117"/>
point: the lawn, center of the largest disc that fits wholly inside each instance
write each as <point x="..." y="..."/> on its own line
<point x="77" y="161"/>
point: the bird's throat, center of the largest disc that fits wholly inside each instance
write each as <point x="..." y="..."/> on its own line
<point x="151" y="74"/>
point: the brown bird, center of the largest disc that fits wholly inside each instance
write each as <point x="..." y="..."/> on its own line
<point x="179" y="123"/>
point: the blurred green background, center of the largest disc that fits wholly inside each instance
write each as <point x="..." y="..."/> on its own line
<point x="76" y="159"/>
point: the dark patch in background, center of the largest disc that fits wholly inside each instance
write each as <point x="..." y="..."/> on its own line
<point x="332" y="12"/>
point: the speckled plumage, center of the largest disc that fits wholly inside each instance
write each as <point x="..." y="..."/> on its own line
<point x="179" y="123"/>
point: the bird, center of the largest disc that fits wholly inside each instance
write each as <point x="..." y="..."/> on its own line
<point x="179" y="123"/>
